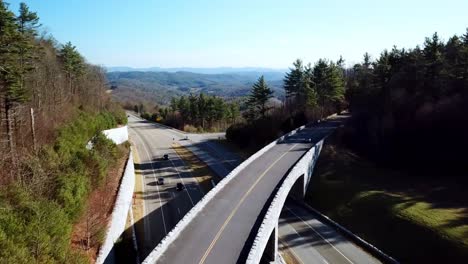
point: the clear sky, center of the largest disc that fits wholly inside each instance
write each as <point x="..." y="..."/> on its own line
<point x="238" y="33"/>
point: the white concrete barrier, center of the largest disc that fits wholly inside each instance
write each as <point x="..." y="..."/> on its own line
<point x="116" y="225"/>
<point x="118" y="135"/>
<point x="182" y="224"/>
<point x="303" y="167"/>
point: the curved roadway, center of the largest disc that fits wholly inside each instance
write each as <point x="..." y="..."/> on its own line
<point x="223" y="231"/>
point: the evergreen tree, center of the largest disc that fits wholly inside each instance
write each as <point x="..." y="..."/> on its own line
<point x="193" y="107"/>
<point x="28" y="21"/>
<point x="10" y="70"/>
<point x="73" y="64"/>
<point x="258" y="98"/>
<point x="293" y="84"/>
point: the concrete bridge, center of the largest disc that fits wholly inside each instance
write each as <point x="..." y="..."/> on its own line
<point x="237" y="221"/>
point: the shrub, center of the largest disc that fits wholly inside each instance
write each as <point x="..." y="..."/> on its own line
<point x="32" y="229"/>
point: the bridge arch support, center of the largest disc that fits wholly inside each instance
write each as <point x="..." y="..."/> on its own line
<point x="294" y="185"/>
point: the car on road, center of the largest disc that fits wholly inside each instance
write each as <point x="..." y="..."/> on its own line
<point x="165" y="157"/>
<point x="160" y="181"/>
<point x="179" y="186"/>
<point x="308" y="140"/>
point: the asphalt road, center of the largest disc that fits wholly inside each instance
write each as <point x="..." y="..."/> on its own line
<point x="164" y="206"/>
<point x="222" y="232"/>
<point x="311" y="241"/>
<point x="308" y="240"/>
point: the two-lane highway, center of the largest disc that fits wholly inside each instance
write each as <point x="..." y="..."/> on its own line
<point x="225" y="237"/>
<point x="221" y="233"/>
<point x="163" y="205"/>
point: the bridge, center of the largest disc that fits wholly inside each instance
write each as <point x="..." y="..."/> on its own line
<point x="237" y="221"/>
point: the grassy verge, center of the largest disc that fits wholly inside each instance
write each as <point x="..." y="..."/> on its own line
<point x="413" y="219"/>
<point x="200" y="170"/>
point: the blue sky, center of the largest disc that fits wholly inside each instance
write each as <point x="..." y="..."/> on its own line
<point x="238" y="33"/>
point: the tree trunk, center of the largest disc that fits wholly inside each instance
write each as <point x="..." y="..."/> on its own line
<point x="9" y="128"/>
<point x="33" y="130"/>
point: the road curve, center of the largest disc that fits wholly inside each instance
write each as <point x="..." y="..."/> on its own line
<point x="223" y="231"/>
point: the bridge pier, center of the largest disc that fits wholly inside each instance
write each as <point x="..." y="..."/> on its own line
<point x="271" y="250"/>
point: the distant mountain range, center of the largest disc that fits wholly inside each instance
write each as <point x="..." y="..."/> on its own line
<point x="160" y="86"/>
<point x="216" y="70"/>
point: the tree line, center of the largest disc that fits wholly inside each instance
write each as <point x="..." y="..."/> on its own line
<point x="196" y="113"/>
<point x="312" y="92"/>
<point x="52" y="102"/>
<point x="41" y="82"/>
<point x="409" y="105"/>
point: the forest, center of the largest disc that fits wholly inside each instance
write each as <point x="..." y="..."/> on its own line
<point x="408" y="106"/>
<point x="193" y="113"/>
<point x="52" y="102"/>
<point x="312" y="92"/>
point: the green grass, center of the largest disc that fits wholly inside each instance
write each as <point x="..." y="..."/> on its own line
<point x="413" y="219"/>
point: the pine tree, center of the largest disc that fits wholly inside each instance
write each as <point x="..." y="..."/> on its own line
<point x="73" y="64"/>
<point x="310" y="90"/>
<point x="293" y="84"/>
<point x="193" y="106"/>
<point x="11" y="87"/>
<point x="28" y="21"/>
<point x="258" y="98"/>
<point x="329" y="83"/>
<point x="202" y="109"/>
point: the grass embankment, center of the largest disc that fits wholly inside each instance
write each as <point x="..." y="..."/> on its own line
<point x="200" y="170"/>
<point x="412" y="218"/>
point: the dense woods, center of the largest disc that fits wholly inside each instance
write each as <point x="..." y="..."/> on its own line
<point x="312" y="92"/>
<point x="194" y="113"/>
<point x="51" y="104"/>
<point x="410" y="106"/>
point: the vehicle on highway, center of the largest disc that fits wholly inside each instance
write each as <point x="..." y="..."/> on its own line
<point x="179" y="186"/>
<point x="165" y="157"/>
<point x="308" y="140"/>
<point x="160" y="181"/>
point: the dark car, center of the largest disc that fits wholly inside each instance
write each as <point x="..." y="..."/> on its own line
<point x="160" y="181"/>
<point x="180" y="186"/>
<point x="165" y="157"/>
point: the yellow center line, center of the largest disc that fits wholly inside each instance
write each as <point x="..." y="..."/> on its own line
<point x="238" y="205"/>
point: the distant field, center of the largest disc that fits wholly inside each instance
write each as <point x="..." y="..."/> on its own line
<point x="415" y="220"/>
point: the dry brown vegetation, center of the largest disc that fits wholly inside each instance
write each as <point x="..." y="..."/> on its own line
<point x="90" y="229"/>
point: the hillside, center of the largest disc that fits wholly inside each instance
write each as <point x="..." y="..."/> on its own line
<point x="161" y="86"/>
